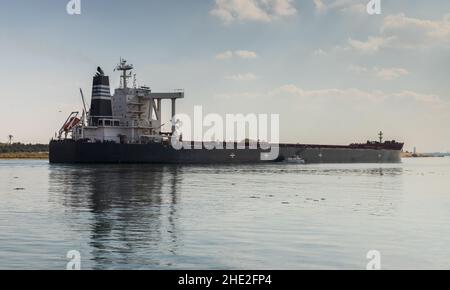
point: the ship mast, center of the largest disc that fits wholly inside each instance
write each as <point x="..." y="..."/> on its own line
<point x="381" y="136"/>
<point x="124" y="67"/>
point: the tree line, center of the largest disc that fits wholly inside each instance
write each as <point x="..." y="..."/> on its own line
<point x="19" y="147"/>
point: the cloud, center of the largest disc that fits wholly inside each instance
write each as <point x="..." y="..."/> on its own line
<point x="244" y="54"/>
<point x="349" y="93"/>
<point x="242" y="77"/>
<point x="352" y="94"/>
<point x="371" y="45"/>
<point x="389" y="74"/>
<point x="224" y="55"/>
<point x="252" y="10"/>
<point x="402" y="32"/>
<point x="415" y="33"/>
<point x="323" y="6"/>
<point x="357" y="8"/>
<point x="320" y="6"/>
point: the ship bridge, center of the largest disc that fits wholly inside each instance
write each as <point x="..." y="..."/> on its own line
<point x="136" y="112"/>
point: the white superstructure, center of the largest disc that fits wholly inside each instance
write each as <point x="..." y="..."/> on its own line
<point x="136" y="113"/>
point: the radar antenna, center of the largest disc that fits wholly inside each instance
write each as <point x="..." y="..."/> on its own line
<point x="124" y="67"/>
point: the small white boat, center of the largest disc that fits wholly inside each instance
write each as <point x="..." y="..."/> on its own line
<point x="295" y="160"/>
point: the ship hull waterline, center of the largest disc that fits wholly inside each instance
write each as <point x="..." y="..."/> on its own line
<point x="116" y="153"/>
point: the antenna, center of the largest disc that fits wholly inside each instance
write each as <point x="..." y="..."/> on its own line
<point x="124" y="67"/>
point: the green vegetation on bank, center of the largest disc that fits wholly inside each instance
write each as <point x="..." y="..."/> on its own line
<point x="19" y="147"/>
<point x="23" y="151"/>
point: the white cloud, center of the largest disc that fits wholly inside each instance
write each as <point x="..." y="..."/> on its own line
<point x="323" y="6"/>
<point x="244" y="54"/>
<point x="281" y="7"/>
<point x="372" y="45"/>
<point x="352" y="94"/>
<point x="225" y="55"/>
<point x="320" y="6"/>
<point x="400" y="31"/>
<point x="413" y="32"/>
<point x="242" y="77"/>
<point x="357" y="8"/>
<point x="349" y="93"/>
<point x="389" y="74"/>
<point x="252" y="10"/>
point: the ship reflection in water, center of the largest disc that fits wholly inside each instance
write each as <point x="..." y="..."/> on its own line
<point x="136" y="221"/>
<point x="132" y="210"/>
<point x="274" y="216"/>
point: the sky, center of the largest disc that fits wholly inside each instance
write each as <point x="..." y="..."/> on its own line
<point x="334" y="73"/>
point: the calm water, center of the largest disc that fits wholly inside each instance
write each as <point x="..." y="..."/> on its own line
<point x="225" y="217"/>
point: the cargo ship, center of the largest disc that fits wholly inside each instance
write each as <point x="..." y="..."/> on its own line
<point x="126" y="127"/>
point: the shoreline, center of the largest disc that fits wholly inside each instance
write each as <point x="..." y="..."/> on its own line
<point x="45" y="155"/>
<point x="24" y="155"/>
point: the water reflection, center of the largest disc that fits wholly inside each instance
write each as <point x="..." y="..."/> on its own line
<point x="132" y="209"/>
<point x="131" y="216"/>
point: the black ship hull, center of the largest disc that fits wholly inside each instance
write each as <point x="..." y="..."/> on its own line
<point x="69" y="151"/>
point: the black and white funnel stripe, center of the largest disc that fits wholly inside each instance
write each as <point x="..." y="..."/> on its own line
<point x="101" y="98"/>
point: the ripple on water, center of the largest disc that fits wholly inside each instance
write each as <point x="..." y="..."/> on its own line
<point x="244" y="217"/>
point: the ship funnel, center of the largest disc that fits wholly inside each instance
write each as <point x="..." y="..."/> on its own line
<point x="101" y="98"/>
